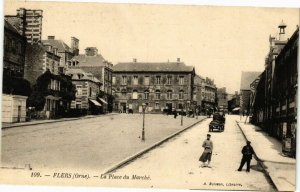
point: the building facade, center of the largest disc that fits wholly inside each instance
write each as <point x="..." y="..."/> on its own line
<point x="15" y="88"/>
<point x="275" y="101"/>
<point x="93" y="62"/>
<point x="245" y="90"/>
<point x="87" y="92"/>
<point x="222" y="99"/>
<point x="65" y="52"/>
<point x="161" y="86"/>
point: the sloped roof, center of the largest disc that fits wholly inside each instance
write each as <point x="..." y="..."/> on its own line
<point x="14" y="21"/>
<point x="247" y="78"/>
<point x="59" y="44"/>
<point x="10" y="27"/>
<point x="74" y="72"/>
<point x="152" y="67"/>
<point x="85" y="60"/>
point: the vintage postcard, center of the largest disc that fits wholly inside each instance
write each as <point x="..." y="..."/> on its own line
<point x="149" y="96"/>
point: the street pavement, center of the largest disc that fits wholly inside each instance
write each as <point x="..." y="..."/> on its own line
<point x="87" y="144"/>
<point x="175" y="163"/>
<point x="282" y="169"/>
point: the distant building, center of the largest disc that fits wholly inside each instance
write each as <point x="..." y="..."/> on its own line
<point x="29" y="23"/>
<point x="222" y="99"/>
<point x="234" y="103"/>
<point x="197" y="90"/>
<point x="65" y="52"/>
<point x="209" y="95"/>
<point x="87" y="92"/>
<point x="245" y="90"/>
<point x="93" y="62"/>
<point x="161" y="86"/>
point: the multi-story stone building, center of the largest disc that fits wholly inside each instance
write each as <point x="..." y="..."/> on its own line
<point x="275" y="101"/>
<point x="87" y="92"/>
<point x="93" y="62"/>
<point x="158" y="85"/>
<point x="42" y="61"/>
<point x="15" y="88"/>
<point x="14" y="51"/>
<point x="29" y="23"/>
<point x="65" y="52"/>
<point x="197" y="90"/>
<point x="245" y="90"/>
<point x="209" y="94"/>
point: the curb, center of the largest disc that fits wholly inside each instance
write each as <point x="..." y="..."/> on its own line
<point x="142" y="152"/>
<point x="62" y="120"/>
<point x="260" y="162"/>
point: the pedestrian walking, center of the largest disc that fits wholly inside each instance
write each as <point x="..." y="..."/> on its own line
<point x="247" y="152"/>
<point x="207" y="153"/>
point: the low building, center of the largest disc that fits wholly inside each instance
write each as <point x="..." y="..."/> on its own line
<point x="161" y="86"/>
<point x="87" y="99"/>
<point x="93" y="62"/>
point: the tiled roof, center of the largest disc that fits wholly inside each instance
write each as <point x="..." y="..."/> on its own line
<point x="247" y="78"/>
<point x="74" y="72"/>
<point x="84" y="60"/>
<point x="152" y="67"/>
<point x="59" y="44"/>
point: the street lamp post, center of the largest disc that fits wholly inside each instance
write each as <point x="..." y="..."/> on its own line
<point x="181" y="116"/>
<point x="143" y="130"/>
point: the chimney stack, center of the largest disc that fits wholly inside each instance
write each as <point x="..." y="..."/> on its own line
<point x="75" y="45"/>
<point x="134" y="60"/>
<point x="178" y="60"/>
<point x="51" y="37"/>
<point x="91" y="51"/>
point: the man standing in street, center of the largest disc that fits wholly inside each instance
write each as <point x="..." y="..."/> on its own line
<point x="206" y="155"/>
<point x="247" y="152"/>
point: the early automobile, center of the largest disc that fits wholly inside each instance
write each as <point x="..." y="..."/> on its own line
<point x="217" y="123"/>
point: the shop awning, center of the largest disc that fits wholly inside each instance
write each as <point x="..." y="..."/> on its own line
<point x="102" y="100"/>
<point x="95" y="102"/>
<point x="236" y="109"/>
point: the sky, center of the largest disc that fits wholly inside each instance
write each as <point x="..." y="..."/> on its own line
<point x="220" y="42"/>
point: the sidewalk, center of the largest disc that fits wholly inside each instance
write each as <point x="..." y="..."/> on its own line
<point x="281" y="169"/>
<point x="37" y="122"/>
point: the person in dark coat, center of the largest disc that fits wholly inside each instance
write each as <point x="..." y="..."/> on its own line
<point x="247" y="152"/>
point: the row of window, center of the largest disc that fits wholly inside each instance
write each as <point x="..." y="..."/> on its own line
<point x="146" y="80"/>
<point x="157" y="94"/>
<point x="81" y="91"/>
<point x="12" y="45"/>
<point x="54" y="85"/>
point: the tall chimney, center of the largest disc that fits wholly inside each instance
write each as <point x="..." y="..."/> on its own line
<point x="91" y="51"/>
<point x="134" y="60"/>
<point x="75" y="45"/>
<point x="178" y="60"/>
